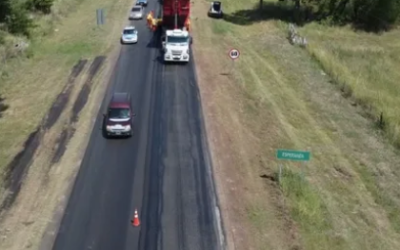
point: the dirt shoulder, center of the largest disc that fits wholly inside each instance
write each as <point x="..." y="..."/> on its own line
<point x="65" y="83"/>
<point x="276" y="96"/>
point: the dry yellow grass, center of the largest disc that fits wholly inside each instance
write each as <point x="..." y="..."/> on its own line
<point x="279" y="97"/>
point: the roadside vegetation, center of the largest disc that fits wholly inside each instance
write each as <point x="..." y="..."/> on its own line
<point x="23" y="26"/>
<point x="333" y="98"/>
<point x="52" y="59"/>
<point x="37" y="52"/>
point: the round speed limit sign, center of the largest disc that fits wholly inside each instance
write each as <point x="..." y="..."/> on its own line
<point x="234" y="54"/>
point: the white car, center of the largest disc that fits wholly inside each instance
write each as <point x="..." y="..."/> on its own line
<point x="129" y="35"/>
<point x="136" y="13"/>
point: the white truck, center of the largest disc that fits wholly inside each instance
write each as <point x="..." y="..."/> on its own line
<point x="176" y="45"/>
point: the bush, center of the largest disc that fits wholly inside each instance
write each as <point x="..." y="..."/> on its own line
<point x="370" y="14"/>
<point x="18" y="21"/>
<point x="43" y="6"/>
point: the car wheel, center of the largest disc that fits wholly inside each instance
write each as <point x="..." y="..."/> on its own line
<point x="105" y="135"/>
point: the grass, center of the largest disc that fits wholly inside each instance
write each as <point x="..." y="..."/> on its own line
<point x="281" y="96"/>
<point x="366" y="64"/>
<point x="30" y="84"/>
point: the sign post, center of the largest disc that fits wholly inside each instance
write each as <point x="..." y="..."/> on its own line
<point x="234" y="54"/>
<point x="100" y="17"/>
<point x="291" y="155"/>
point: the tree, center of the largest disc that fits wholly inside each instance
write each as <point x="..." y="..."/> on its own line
<point x="372" y="14"/>
<point x="43" y="6"/>
<point x="17" y="20"/>
<point x="5" y="9"/>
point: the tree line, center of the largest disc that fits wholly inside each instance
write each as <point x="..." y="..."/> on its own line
<point x="15" y="15"/>
<point x="369" y="14"/>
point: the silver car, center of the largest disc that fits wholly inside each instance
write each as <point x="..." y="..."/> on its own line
<point x="136" y="13"/>
<point x="129" y="35"/>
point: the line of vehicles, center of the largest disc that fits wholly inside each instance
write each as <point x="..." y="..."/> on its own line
<point x="174" y="26"/>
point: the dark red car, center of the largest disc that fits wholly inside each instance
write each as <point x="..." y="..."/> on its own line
<point x="118" y="121"/>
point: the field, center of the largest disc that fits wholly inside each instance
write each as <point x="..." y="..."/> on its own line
<point x="326" y="99"/>
<point x="66" y="71"/>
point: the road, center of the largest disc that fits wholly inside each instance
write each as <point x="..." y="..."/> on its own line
<point x="163" y="170"/>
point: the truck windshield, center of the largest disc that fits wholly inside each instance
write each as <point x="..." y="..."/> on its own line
<point x="172" y="39"/>
<point x="130" y="32"/>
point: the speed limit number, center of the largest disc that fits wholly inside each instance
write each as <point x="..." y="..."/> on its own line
<point x="234" y="54"/>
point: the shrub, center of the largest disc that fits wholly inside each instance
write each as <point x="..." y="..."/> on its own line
<point x="18" y="21"/>
<point x="43" y="6"/>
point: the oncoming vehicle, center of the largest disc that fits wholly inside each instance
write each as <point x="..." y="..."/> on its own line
<point x="136" y="13"/>
<point x="129" y="35"/>
<point x="141" y="2"/>
<point x="118" y="120"/>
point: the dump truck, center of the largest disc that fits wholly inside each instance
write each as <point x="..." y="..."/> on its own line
<point x="174" y="26"/>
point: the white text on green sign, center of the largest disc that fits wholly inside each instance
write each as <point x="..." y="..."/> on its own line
<point x="293" y="155"/>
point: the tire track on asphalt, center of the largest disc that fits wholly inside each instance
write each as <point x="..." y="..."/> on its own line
<point x="150" y="207"/>
<point x="175" y="99"/>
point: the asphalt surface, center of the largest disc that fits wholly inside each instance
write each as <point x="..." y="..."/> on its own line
<point x="163" y="170"/>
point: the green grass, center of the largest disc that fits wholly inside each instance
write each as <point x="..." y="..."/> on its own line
<point x="365" y="64"/>
<point x="381" y="197"/>
<point x="310" y="212"/>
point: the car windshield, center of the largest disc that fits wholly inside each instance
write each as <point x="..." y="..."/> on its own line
<point x="172" y="39"/>
<point x="118" y="113"/>
<point x="217" y="6"/>
<point x="136" y="10"/>
<point x="130" y="32"/>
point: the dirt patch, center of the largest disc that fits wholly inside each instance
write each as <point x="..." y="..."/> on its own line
<point x="3" y="106"/>
<point x="85" y="91"/>
<point x="69" y="130"/>
<point x="61" y="145"/>
<point x="18" y="168"/>
<point x="62" y="99"/>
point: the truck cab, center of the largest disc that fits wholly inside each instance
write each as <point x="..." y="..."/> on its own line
<point x="176" y="45"/>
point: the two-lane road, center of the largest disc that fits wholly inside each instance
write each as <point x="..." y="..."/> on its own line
<point x="163" y="170"/>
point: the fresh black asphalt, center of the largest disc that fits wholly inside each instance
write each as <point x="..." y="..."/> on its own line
<point x="163" y="170"/>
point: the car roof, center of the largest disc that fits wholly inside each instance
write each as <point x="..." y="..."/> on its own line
<point x="141" y="1"/>
<point x="129" y="28"/>
<point x="120" y="100"/>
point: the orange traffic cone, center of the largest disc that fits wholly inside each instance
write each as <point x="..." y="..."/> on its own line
<point x="136" y="221"/>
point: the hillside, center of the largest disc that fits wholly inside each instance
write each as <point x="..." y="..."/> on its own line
<point x="325" y="98"/>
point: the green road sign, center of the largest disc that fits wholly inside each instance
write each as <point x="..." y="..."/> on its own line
<point x="283" y="154"/>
